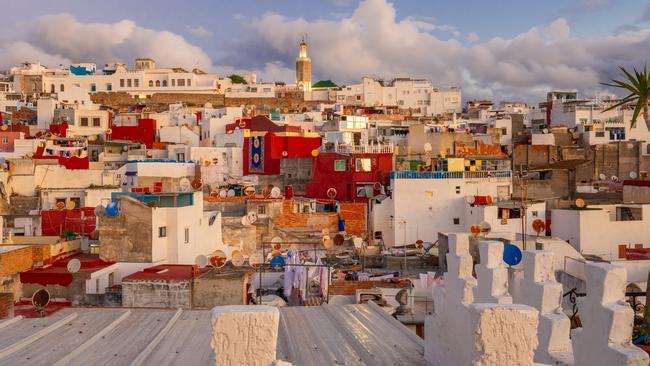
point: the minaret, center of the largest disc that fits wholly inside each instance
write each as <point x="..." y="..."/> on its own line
<point x="303" y="68"/>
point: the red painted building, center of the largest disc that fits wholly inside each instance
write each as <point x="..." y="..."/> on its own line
<point x="71" y="153"/>
<point x="267" y="143"/>
<point x="144" y="131"/>
<point x="355" y="177"/>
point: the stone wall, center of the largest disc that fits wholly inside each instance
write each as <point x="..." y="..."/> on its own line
<point x="216" y="289"/>
<point x="128" y="236"/>
<point x="157" y="294"/>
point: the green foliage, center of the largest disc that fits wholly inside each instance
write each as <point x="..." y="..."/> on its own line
<point x="237" y="79"/>
<point x="68" y="233"/>
<point x="638" y="86"/>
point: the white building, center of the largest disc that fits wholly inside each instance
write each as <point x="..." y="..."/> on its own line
<point x="218" y="164"/>
<point x="417" y="95"/>
<point x="600" y="230"/>
<point x="423" y="204"/>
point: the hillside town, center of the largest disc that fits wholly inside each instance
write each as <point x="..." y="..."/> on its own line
<point x="165" y="215"/>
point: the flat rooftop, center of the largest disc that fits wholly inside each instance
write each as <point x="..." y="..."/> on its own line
<point x="322" y="335"/>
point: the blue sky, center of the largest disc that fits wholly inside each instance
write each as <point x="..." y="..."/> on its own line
<point x="449" y="42"/>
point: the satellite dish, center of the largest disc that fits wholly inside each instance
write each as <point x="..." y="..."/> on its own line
<point x="244" y="221"/>
<point x="185" y="185"/>
<point x="325" y="231"/>
<point x="99" y="210"/>
<point x="74" y="265"/>
<point x="218" y="259"/>
<point x="331" y="192"/>
<point x="231" y="193"/>
<point x="338" y="239"/>
<point x="40" y="299"/>
<point x="201" y="261"/>
<point x="266" y="192"/>
<point x="237" y="259"/>
<point x="614" y="178"/>
<point x="70" y="205"/>
<point x="276" y="240"/>
<point x="277" y="262"/>
<point x="112" y="209"/>
<point x="485" y="227"/>
<point x="60" y="205"/>
<point x="633" y="175"/>
<point x="602" y="176"/>
<point x="249" y="191"/>
<point x="285" y="153"/>
<point x="580" y="203"/>
<point x="327" y="242"/>
<point x="427" y="147"/>
<point x="511" y="254"/>
<point x="539" y="226"/>
<point x="256" y="260"/>
<point x="470" y="200"/>
<point x="545" y="130"/>
<point x="358" y="242"/>
<point x="223" y="193"/>
<point x="109" y="131"/>
<point x="275" y="192"/>
<point x="251" y="217"/>
<point x="475" y="230"/>
<point x="207" y="162"/>
<point x="196" y="184"/>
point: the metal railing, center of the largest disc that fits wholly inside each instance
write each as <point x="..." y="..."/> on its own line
<point x="451" y="175"/>
<point x="362" y="149"/>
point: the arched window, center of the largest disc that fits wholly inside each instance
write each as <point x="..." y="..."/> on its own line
<point x="151" y="83"/>
<point x="165" y="83"/>
<point x="52" y="89"/>
<point x="157" y="83"/>
<point x="62" y="87"/>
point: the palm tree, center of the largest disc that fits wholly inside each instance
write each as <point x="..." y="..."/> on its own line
<point x="638" y="85"/>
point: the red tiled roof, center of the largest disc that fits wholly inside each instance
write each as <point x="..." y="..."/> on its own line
<point x="57" y="273"/>
<point x="165" y="272"/>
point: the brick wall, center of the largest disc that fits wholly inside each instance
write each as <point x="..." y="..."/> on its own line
<point x="316" y="221"/>
<point x="15" y="261"/>
<point x="6" y="305"/>
<point x="355" y="215"/>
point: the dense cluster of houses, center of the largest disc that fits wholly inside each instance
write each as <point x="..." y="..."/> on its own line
<point x="180" y="206"/>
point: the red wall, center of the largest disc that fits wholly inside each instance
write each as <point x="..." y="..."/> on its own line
<point x="325" y="177"/>
<point x="144" y="132"/>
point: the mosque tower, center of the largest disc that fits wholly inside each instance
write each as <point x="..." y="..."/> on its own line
<point x="303" y="68"/>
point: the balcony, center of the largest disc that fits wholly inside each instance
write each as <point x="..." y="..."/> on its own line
<point x="360" y="149"/>
<point x="486" y="174"/>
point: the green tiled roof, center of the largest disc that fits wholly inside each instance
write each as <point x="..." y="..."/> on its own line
<point x="325" y="84"/>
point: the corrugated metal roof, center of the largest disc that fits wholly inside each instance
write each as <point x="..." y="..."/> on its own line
<point x="325" y="335"/>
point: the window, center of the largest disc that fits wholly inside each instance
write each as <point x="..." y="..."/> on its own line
<point x="83" y="121"/>
<point x="128" y="83"/>
<point x="5" y="140"/>
<point x="76" y="201"/>
<point x="52" y="88"/>
<point x="151" y="83"/>
<point x="504" y="131"/>
<point x="96" y="122"/>
<point x="62" y="88"/>
<point x="180" y="157"/>
<point x="165" y="83"/>
<point x="60" y="202"/>
<point x="363" y="165"/>
<point x="162" y="231"/>
<point x="109" y="86"/>
<point x="266" y="90"/>
<point x="457" y="189"/>
<point x="181" y="82"/>
<point x="187" y="235"/>
<point x="456" y="221"/>
<point x="93" y="87"/>
<point x="136" y="82"/>
<point x="121" y="83"/>
<point x="157" y="83"/>
<point x="189" y="82"/>
<point x="173" y="82"/>
<point x="261" y="210"/>
<point x="339" y="165"/>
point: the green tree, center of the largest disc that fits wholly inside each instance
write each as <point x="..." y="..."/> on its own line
<point x="237" y="79"/>
<point x="638" y="85"/>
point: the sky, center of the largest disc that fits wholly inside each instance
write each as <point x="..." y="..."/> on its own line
<point x="500" y="49"/>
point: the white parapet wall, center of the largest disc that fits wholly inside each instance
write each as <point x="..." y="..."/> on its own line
<point x="244" y="335"/>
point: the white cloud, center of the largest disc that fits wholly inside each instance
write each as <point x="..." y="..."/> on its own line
<point x="60" y="38"/>
<point x="199" y="31"/>
<point x="472" y="37"/>
<point x="373" y="41"/>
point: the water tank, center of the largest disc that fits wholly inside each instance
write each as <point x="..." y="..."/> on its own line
<point x="341" y="225"/>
